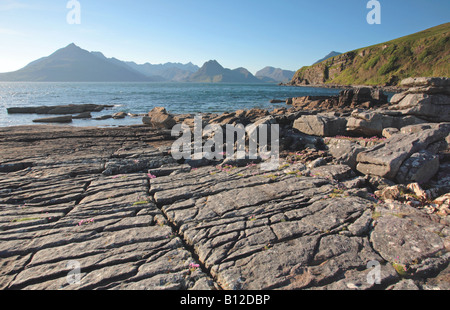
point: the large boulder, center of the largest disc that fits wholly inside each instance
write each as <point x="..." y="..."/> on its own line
<point x="159" y="118"/>
<point x="385" y="159"/>
<point x="372" y="123"/>
<point x="435" y="108"/>
<point x="321" y="125"/>
<point x="344" y="151"/>
<point x="427" y="98"/>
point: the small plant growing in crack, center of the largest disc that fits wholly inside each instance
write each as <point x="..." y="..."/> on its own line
<point x="267" y="247"/>
<point x="401" y="269"/>
<point x="138" y="203"/>
<point x="193" y="267"/>
<point x="85" y="222"/>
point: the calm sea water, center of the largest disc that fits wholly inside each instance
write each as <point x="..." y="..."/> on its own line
<point x="139" y="98"/>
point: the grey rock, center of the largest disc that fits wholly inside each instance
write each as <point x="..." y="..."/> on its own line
<point x="336" y="172"/>
<point x="63" y="109"/>
<point x="425" y="81"/>
<point x="321" y="125"/>
<point x="59" y="119"/>
<point x="435" y="108"/>
<point x="420" y="168"/>
<point x="386" y="159"/>
<point x="372" y="123"/>
<point x="404" y="285"/>
<point x="399" y="240"/>
<point x="84" y="115"/>
<point x="344" y="151"/>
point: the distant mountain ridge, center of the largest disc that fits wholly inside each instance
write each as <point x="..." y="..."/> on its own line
<point x="330" y="55"/>
<point x="74" y="64"/>
<point x="213" y="72"/>
<point x="277" y="75"/>
<point x="170" y="71"/>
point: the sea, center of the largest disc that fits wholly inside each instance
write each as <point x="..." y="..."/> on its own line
<point x="140" y="98"/>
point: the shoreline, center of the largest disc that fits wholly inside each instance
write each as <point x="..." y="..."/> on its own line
<point x="388" y="89"/>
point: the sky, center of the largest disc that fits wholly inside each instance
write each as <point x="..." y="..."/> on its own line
<point x="287" y="34"/>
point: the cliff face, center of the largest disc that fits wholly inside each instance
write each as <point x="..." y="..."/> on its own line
<point x="323" y="72"/>
<point x="425" y="53"/>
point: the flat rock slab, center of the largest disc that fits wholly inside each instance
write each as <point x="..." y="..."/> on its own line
<point x="107" y="209"/>
<point x="115" y="234"/>
<point x="281" y="233"/>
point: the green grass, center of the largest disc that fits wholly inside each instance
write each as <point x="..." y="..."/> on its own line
<point x="426" y="53"/>
<point x="29" y="219"/>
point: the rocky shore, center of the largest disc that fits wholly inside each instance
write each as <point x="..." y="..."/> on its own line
<point x="360" y="201"/>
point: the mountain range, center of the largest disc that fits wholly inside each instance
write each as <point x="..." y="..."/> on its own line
<point x="425" y="53"/>
<point x="74" y="64"/>
<point x="271" y="74"/>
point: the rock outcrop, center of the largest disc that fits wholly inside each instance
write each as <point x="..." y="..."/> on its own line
<point x="386" y="159"/>
<point x="159" y="118"/>
<point x="426" y="98"/>
<point x="59" y="110"/>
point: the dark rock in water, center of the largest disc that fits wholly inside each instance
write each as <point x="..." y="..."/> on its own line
<point x="277" y="101"/>
<point x="63" y="109"/>
<point x="119" y="115"/>
<point x="104" y="117"/>
<point x="60" y="119"/>
<point x="84" y="115"/>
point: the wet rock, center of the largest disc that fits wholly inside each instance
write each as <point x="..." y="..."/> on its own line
<point x="119" y="115"/>
<point x="60" y="119"/>
<point x="84" y="115"/>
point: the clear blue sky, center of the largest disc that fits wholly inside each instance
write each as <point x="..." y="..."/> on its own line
<point x="238" y="33"/>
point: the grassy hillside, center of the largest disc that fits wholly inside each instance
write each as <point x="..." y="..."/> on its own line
<point x="426" y="53"/>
